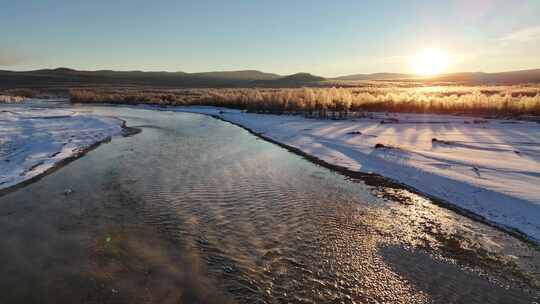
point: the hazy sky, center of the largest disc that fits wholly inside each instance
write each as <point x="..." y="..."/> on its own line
<point x="322" y="37"/>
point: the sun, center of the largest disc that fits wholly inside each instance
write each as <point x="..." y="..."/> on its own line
<point x="430" y="61"/>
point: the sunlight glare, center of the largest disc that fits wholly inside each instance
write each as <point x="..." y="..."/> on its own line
<point x="430" y="61"/>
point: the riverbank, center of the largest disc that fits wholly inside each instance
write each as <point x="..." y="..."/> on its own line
<point x="36" y="141"/>
<point x="488" y="168"/>
<point x="196" y="206"/>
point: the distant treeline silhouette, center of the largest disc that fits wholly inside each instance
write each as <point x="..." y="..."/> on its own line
<point x="335" y="102"/>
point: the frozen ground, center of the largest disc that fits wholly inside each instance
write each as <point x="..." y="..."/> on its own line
<point x="489" y="167"/>
<point x="34" y="140"/>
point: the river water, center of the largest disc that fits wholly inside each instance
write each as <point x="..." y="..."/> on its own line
<point x="196" y="210"/>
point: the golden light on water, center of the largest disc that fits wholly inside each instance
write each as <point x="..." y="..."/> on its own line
<point x="430" y="61"/>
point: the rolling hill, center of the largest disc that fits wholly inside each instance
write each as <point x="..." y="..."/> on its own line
<point x="293" y="80"/>
<point x="65" y="78"/>
<point x="375" y="76"/>
<point x="511" y="77"/>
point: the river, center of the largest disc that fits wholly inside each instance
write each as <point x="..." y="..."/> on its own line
<point x="197" y="210"/>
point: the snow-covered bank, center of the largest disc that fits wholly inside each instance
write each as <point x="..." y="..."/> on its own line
<point x="33" y="141"/>
<point x="488" y="167"/>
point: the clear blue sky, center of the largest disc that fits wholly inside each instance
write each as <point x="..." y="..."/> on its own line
<point x="322" y="37"/>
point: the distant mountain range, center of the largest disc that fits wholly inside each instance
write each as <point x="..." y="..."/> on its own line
<point x="64" y="77"/>
<point x="293" y="80"/>
<point x="375" y="76"/>
<point x="512" y="77"/>
<point x="249" y="75"/>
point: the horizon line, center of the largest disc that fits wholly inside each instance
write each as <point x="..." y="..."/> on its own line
<point x="260" y="71"/>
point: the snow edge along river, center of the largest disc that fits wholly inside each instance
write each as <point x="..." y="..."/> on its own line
<point x="35" y="141"/>
<point x="489" y="168"/>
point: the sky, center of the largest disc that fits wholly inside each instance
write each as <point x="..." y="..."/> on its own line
<point x="327" y="38"/>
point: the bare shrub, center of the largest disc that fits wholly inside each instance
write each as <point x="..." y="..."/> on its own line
<point x="336" y="103"/>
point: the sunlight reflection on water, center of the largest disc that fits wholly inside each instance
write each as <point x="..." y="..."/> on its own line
<point x="196" y="210"/>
